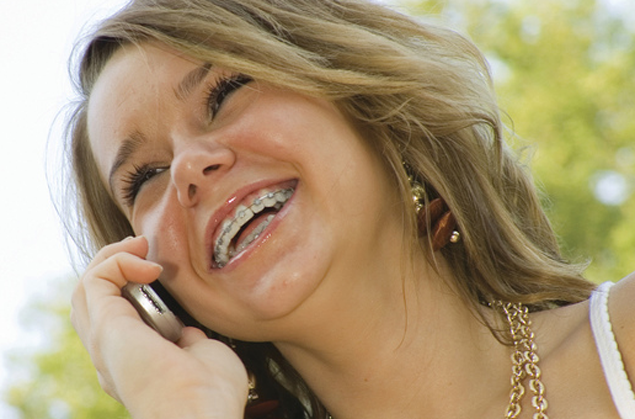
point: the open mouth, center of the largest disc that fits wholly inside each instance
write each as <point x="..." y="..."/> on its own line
<point x="250" y="219"/>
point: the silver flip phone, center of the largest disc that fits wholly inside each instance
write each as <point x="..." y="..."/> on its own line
<point x="153" y="310"/>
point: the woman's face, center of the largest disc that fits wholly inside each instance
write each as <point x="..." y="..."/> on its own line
<point x="254" y="199"/>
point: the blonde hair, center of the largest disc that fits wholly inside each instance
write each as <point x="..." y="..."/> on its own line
<point x="423" y="96"/>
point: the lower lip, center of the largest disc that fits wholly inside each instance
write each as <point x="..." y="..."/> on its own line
<point x="260" y="241"/>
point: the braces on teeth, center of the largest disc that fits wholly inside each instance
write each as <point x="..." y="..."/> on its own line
<point x="223" y="248"/>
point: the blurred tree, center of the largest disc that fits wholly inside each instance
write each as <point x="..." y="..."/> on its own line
<point x="58" y="381"/>
<point x="564" y="72"/>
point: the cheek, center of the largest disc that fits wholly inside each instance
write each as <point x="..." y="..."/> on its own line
<point x="163" y="230"/>
<point x="266" y="129"/>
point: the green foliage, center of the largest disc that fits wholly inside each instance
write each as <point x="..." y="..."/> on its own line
<point x="58" y="382"/>
<point x="564" y="75"/>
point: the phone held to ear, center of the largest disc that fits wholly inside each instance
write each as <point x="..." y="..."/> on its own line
<point x="153" y="310"/>
<point x="150" y="301"/>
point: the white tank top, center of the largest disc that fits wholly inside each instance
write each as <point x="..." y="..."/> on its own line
<point x="614" y="372"/>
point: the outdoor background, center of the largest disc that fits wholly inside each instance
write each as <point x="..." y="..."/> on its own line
<point x="564" y="71"/>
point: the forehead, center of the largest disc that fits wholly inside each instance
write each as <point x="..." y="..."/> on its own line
<point x="137" y="83"/>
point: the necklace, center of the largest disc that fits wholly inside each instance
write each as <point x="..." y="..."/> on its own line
<point x="524" y="362"/>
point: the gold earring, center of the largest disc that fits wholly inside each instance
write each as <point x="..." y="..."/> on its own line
<point x="253" y="395"/>
<point x="442" y="221"/>
<point x="418" y="194"/>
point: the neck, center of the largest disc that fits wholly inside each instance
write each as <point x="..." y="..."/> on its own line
<point x="416" y="344"/>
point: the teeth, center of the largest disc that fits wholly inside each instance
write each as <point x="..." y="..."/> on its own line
<point x="252" y="236"/>
<point x="223" y="248"/>
<point x="283" y="197"/>
<point x="243" y="214"/>
<point x="257" y="206"/>
<point x="269" y="200"/>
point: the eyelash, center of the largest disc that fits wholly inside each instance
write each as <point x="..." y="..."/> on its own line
<point x="222" y="90"/>
<point x="134" y="180"/>
<point x="139" y="175"/>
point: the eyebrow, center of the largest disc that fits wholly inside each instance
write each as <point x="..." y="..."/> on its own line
<point x="131" y="144"/>
<point x="191" y="80"/>
<point x="127" y="148"/>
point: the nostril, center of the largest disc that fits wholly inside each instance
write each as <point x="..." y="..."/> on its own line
<point x="211" y="168"/>
<point x="191" y="191"/>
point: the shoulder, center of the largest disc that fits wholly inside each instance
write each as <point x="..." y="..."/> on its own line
<point x="569" y="360"/>
<point x="622" y="313"/>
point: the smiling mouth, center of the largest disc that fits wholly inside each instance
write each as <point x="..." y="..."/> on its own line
<point x="248" y="223"/>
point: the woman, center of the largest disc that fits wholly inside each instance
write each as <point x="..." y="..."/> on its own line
<point x="326" y="187"/>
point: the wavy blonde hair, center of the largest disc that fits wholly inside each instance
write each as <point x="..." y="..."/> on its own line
<point x="422" y="95"/>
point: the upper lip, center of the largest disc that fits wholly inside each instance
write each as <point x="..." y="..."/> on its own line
<point x="212" y="229"/>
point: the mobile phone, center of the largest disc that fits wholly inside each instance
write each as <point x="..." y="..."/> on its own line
<point x="153" y="309"/>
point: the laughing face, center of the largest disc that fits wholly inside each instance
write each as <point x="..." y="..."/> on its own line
<point x="256" y="200"/>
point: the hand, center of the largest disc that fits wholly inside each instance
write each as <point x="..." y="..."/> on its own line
<point x="195" y="378"/>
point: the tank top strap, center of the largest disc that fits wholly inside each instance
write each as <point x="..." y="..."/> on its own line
<point x="610" y="357"/>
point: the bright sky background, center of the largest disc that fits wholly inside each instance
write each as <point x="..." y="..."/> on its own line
<point x="36" y="37"/>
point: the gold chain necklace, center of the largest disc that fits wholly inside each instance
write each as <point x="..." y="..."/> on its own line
<point x="524" y="362"/>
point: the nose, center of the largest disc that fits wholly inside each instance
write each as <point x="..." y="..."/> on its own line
<point x="196" y="168"/>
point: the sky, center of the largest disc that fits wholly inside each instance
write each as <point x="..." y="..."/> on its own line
<point x="36" y="38"/>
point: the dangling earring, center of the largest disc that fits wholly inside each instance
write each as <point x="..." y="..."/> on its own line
<point x="418" y="194"/>
<point x="441" y="220"/>
<point x="253" y="395"/>
<point x="257" y="408"/>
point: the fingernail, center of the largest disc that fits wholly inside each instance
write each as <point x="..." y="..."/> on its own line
<point x="157" y="265"/>
<point x="141" y="236"/>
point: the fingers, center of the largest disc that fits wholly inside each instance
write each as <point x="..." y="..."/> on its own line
<point x="135" y="365"/>
<point x="134" y="245"/>
<point x="97" y="309"/>
<point x="217" y="359"/>
<point x="113" y="267"/>
<point x="121" y="268"/>
<point x="210" y="351"/>
<point x="190" y="336"/>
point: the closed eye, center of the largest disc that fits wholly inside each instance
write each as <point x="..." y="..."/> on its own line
<point x="222" y="90"/>
<point x="135" y="180"/>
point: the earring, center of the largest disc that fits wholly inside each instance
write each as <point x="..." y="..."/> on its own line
<point x="443" y="229"/>
<point x="256" y="407"/>
<point x="418" y="194"/>
<point x="436" y="214"/>
<point x="253" y="395"/>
